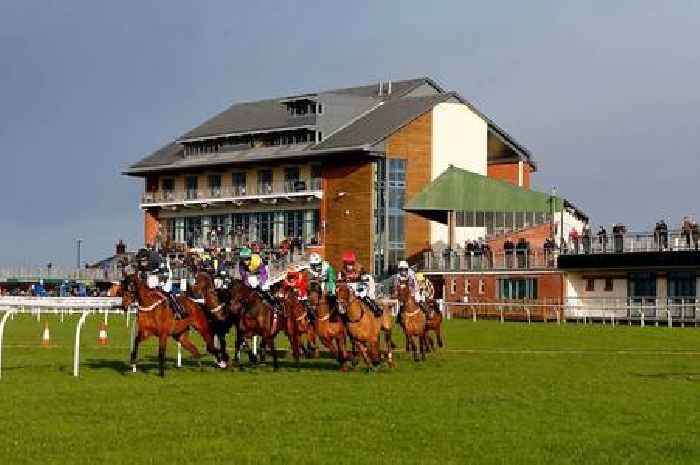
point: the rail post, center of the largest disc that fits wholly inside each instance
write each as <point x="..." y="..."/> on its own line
<point x="670" y="320"/>
<point x="8" y="314"/>
<point x="527" y="310"/>
<point x="500" y="310"/>
<point x="179" y="355"/>
<point x="641" y="320"/>
<point x="474" y="314"/>
<point x="76" y="351"/>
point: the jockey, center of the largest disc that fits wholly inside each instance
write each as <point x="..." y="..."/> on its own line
<point x="350" y="272"/>
<point x="425" y="291"/>
<point x="254" y="274"/>
<point x="297" y="281"/>
<point x="323" y="272"/>
<point x="359" y="281"/>
<point x="160" y="276"/>
<point x="404" y="277"/>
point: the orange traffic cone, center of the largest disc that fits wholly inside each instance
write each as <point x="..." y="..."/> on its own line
<point x="102" y="338"/>
<point x="45" y="335"/>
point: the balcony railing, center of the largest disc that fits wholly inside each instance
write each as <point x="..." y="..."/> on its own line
<point x="276" y="188"/>
<point x="631" y="242"/>
<point x="519" y="259"/>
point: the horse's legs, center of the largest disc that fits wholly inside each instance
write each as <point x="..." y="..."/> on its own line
<point x="438" y="335"/>
<point x="135" y="351"/>
<point x="162" y="345"/>
<point x="363" y="352"/>
<point x="184" y="339"/>
<point x="275" y="367"/>
<point x="423" y="346"/>
<point x="389" y="347"/>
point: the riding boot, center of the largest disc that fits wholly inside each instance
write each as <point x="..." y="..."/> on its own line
<point x="310" y="314"/>
<point x="175" y="306"/>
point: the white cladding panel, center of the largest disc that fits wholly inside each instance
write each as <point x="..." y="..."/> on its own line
<point x="459" y="138"/>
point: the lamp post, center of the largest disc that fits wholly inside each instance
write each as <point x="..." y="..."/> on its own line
<point x="79" y="243"/>
<point x="551" y="211"/>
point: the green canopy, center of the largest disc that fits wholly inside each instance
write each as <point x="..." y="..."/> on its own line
<point x="460" y="190"/>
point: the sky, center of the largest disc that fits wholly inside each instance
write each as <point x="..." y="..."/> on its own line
<point x="604" y="94"/>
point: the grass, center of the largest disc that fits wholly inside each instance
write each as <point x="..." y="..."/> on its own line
<point x="498" y="394"/>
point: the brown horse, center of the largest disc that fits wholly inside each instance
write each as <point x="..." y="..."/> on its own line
<point x="297" y="321"/>
<point x="433" y="323"/>
<point x="363" y="327"/>
<point x="330" y="329"/>
<point x="215" y="301"/>
<point x="156" y="318"/>
<point x="412" y="322"/>
<point x="255" y="318"/>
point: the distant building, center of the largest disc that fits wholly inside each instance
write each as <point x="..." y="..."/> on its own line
<point x="110" y="268"/>
<point x="332" y="168"/>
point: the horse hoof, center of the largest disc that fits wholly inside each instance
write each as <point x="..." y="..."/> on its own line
<point x="222" y="364"/>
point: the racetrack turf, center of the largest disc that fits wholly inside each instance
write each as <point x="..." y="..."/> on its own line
<point x="497" y="394"/>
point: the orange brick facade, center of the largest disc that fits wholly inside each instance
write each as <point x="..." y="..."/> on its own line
<point x="150" y="226"/>
<point x="346" y="210"/>
<point x="413" y="143"/>
<point x="508" y="172"/>
<point x="483" y="287"/>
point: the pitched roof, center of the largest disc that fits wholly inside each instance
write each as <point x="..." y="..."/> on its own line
<point x="386" y="115"/>
<point x="461" y="190"/>
<point x="382" y="121"/>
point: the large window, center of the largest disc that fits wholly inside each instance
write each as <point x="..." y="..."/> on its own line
<point x="215" y="185"/>
<point x="682" y="284"/>
<point x="264" y="181"/>
<point x="294" y="224"/>
<point x="641" y="285"/>
<point x="517" y="289"/>
<point x="396" y="190"/>
<point x="292" y="179"/>
<point x="191" y="185"/>
<point x="238" y="181"/>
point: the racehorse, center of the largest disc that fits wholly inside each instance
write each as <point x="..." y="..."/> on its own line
<point x="215" y="301"/>
<point x="297" y="321"/>
<point x="255" y="318"/>
<point x="331" y="331"/>
<point x="433" y="323"/>
<point x="363" y="327"/>
<point x="412" y="322"/>
<point x="156" y="318"/>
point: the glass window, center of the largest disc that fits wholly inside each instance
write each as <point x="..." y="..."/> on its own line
<point x="513" y="289"/>
<point x="469" y="219"/>
<point x="292" y="179"/>
<point x="215" y="185"/>
<point x="265" y="181"/>
<point x="191" y="186"/>
<point x="489" y="223"/>
<point x="608" y="284"/>
<point x="519" y="220"/>
<point x="238" y="180"/>
<point x="590" y="285"/>
<point x="168" y="184"/>
<point x="480" y="219"/>
<point x="641" y="285"/>
<point x="682" y="284"/>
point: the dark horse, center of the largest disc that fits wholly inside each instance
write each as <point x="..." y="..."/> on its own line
<point x="216" y="302"/>
<point x="156" y="318"/>
<point x="255" y="318"/>
<point x="297" y="322"/>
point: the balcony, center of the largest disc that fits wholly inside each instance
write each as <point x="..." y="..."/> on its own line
<point x="461" y="261"/>
<point x="288" y="189"/>
<point x="631" y="242"/>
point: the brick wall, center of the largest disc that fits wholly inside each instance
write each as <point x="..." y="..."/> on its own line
<point x="549" y="286"/>
<point x="413" y="142"/>
<point x="150" y="225"/>
<point x="535" y="236"/>
<point x="348" y="218"/>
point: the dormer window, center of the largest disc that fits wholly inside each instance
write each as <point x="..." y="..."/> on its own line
<point x="303" y="106"/>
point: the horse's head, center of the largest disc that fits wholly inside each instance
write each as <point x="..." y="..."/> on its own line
<point x="127" y="289"/>
<point x="343" y="296"/>
<point x="203" y="284"/>
<point x="315" y="293"/>
<point x="403" y="292"/>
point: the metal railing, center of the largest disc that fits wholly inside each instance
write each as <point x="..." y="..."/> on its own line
<point x="25" y="273"/>
<point x="678" y="311"/>
<point x="519" y="259"/>
<point x="297" y="186"/>
<point x="631" y="242"/>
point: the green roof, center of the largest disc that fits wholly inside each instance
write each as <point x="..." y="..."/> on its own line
<point x="460" y="190"/>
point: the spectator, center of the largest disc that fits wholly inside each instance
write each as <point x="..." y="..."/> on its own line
<point x="603" y="239"/>
<point x="586" y="239"/>
<point x="619" y="231"/>
<point x="549" y="246"/>
<point x="508" y="249"/>
<point x="661" y="235"/>
<point x="574" y="240"/>
<point x="469" y="253"/>
<point x="521" y="252"/>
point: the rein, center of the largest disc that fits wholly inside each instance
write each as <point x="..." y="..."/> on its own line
<point x="152" y="306"/>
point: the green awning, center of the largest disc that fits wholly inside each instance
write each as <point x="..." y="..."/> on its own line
<point x="460" y="190"/>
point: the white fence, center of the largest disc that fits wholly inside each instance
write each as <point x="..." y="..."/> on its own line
<point x="83" y="306"/>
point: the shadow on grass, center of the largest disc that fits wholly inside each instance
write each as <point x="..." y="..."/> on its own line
<point x="668" y="376"/>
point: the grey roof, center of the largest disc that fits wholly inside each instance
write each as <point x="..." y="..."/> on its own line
<point x="387" y="114"/>
<point x="382" y="121"/>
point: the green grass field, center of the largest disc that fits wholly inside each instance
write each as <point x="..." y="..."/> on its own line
<point x="497" y="394"/>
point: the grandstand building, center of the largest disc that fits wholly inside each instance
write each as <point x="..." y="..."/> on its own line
<point x="335" y="169"/>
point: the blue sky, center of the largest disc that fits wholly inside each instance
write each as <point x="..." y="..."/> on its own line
<point x="604" y="94"/>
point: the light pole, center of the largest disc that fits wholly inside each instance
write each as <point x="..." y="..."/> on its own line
<point x="79" y="242"/>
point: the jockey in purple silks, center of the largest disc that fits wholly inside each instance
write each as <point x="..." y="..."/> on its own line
<point x="254" y="275"/>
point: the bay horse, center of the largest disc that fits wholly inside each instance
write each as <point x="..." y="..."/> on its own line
<point x="433" y="323"/>
<point x="329" y="328"/>
<point x="156" y="318"/>
<point x="297" y="322"/>
<point x="215" y="301"/>
<point x="363" y="327"/>
<point x="412" y="322"/>
<point x="255" y="318"/>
